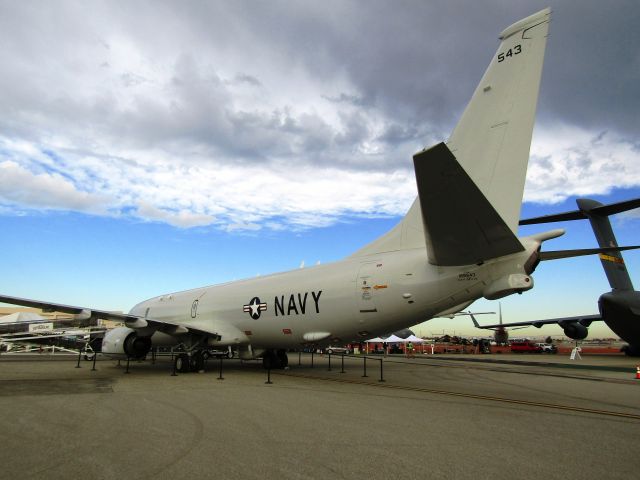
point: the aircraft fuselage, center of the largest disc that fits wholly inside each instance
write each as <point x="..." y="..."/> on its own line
<point x="353" y="299"/>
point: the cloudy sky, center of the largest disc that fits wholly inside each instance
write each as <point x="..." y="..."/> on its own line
<point x="144" y="144"/>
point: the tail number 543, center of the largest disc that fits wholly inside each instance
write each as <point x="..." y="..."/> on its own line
<point x="509" y="53"/>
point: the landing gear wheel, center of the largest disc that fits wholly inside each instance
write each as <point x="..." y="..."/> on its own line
<point x="283" y="359"/>
<point x="182" y="363"/>
<point x="197" y="361"/>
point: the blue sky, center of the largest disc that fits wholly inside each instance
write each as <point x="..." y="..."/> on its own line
<point x="146" y="148"/>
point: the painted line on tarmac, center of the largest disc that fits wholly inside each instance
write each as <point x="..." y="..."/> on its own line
<point x="475" y="396"/>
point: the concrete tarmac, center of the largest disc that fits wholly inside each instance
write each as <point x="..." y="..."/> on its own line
<point x="431" y="417"/>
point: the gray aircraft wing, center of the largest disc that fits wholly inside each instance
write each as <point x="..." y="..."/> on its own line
<point x="584" y="320"/>
<point x="82" y="314"/>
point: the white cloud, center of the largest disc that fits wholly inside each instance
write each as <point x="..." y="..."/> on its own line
<point x="569" y="161"/>
<point x="45" y="191"/>
<point x="242" y="117"/>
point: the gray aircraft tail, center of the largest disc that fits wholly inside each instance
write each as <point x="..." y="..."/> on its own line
<point x="470" y="189"/>
<point x="598" y="215"/>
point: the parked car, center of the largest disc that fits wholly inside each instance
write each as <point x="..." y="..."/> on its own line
<point x="525" y="347"/>
<point x="339" y="350"/>
<point x="547" y="347"/>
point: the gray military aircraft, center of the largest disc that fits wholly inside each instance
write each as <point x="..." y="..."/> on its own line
<point x="619" y="308"/>
<point x="457" y="243"/>
<point x="500" y="333"/>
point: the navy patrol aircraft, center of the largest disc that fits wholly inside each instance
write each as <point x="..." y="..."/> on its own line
<point x="619" y="308"/>
<point x="457" y="243"/>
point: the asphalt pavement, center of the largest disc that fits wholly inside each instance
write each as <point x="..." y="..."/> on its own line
<point x="431" y="417"/>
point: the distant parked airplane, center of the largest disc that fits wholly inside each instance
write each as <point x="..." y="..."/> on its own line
<point x="619" y="308"/>
<point x="501" y="334"/>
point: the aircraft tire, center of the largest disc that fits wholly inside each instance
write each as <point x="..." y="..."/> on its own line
<point x="197" y="361"/>
<point x="182" y="363"/>
<point x="269" y="360"/>
<point x="283" y="359"/>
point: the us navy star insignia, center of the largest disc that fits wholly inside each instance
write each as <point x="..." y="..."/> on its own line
<point x="254" y="307"/>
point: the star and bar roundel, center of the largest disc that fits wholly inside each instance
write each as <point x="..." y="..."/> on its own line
<point x="254" y="307"/>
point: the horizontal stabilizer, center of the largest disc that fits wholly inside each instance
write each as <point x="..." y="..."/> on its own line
<point x="603" y="210"/>
<point x="461" y="226"/>
<point x="559" y="254"/>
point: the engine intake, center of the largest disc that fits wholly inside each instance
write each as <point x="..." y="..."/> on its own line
<point x="124" y="341"/>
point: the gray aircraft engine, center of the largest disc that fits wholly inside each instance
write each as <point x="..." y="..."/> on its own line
<point x="574" y="330"/>
<point x="124" y="341"/>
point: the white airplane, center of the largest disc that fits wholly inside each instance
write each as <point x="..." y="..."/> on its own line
<point x="457" y="243"/>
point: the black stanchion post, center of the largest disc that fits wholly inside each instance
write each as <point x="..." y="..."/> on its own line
<point x="79" y="354"/>
<point x="381" y="379"/>
<point x="220" y="374"/>
<point x="365" y="367"/>
<point x="329" y="369"/>
<point x="342" y="371"/>
<point x="268" y="376"/>
<point x="127" y="370"/>
<point x="153" y="356"/>
<point x="311" y="358"/>
<point x="299" y="358"/>
<point x="95" y="355"/>
<point x="173" y="371"/>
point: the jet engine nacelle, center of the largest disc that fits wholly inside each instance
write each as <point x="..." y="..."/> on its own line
<point x="123" y="341"/>
<point x="575" y="330"/>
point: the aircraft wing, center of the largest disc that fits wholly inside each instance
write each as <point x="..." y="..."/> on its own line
<point x="80" y="313"/>
<point x="583" y="319"/>
<point x="216" y="329"/>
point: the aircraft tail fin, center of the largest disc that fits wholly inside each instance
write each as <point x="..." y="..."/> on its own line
<point x="493" y="137"/>
<point x="598" y="215"/>
<point x="487" y="153"/>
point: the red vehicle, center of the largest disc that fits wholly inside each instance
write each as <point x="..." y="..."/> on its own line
<point x="525" y="347"/>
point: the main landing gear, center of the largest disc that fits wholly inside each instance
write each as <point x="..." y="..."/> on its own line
<point x="193" y="362"/>
<point x="275" y="359"/>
